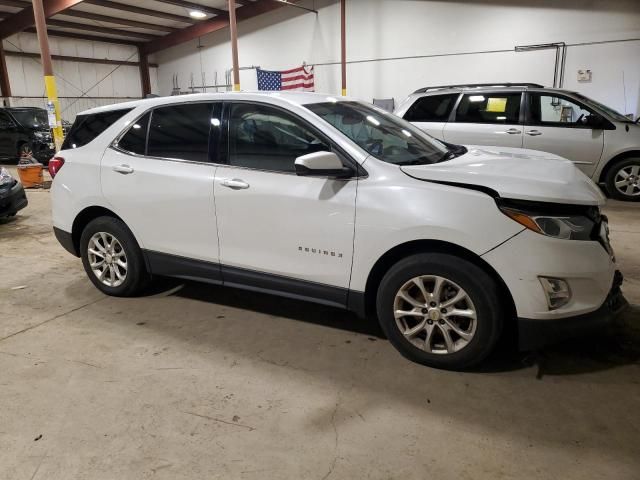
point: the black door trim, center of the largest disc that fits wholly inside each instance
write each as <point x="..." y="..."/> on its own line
<point x="211" y="272"/>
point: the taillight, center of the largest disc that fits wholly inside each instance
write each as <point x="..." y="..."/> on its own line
<point x="55" y="164"/>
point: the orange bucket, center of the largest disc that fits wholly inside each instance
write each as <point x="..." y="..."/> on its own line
<point x="31" y="175"/>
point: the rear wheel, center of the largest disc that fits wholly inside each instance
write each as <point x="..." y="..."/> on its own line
<point x="112" y="258"/>
<point x="623" y="180"/>
<point x="440" y="310"/>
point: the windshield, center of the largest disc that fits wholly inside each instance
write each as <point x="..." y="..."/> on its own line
<point x="381" y="134"/>
<point x="617" y="116"/>
<point x="31" y="118"/>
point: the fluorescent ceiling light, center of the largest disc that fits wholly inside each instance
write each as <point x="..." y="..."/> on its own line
<point x="197" y="14"/>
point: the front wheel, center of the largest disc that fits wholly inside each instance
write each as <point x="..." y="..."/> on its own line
<point x="623" y="180"/>
<point x="440" y="310"/>
<point x="112" y="258"/>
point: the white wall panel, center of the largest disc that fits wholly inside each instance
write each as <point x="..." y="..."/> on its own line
<point x="74" y="79"/>
<point x="400" y="28"/>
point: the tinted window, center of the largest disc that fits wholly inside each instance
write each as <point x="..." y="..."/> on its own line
<point x="5" y="120"/>
<point x="381" y="134"/>
<point x="267" y="138"/>
<point x="555" y="111"/>
<point x="88" y="127"/>
<point x="181" y="131"/>
<point x="135" y="140"/>
<point x="32" y="117"/>
<point x="435" y="108"/>
<point x="489" y="108"/>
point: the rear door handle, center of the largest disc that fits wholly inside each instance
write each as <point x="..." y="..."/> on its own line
<point x="124" y="169"/>
<point x="513" y="131"/>
<point x="234" y="183"/>
<point x="534" y="133"/>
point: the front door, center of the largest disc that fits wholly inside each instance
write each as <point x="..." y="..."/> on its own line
<point x="8" y="136"/>
<point x="279" y="231"/>
<point x="487" y="119"/>
<point x="161" y="183"/>
<point x="554" y="124"/>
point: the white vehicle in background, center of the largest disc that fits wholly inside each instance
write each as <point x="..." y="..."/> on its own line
<point x="603" y="143"/>
<point x="337" y="202"/>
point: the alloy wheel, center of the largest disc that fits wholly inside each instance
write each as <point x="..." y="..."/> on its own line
<point x="435" y="314"/>
<point x="627" y="180"/>
<point x="107" y="259"/>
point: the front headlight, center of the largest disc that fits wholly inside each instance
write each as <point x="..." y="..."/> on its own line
<point x="6" y="178"/>
<point x="568" y="222"/>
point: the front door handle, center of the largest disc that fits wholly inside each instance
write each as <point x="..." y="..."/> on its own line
<point x="513" y="131"/>
<point x="124" y="169"/>
<point x="234" y="183"/>
<point x="534" y="133"/>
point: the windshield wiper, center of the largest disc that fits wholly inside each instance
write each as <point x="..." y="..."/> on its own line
<point x="454" y="151"/>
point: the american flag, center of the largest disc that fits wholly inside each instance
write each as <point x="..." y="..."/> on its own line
<point x="300" y="78"/>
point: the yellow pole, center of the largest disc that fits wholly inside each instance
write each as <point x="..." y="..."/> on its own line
<point x="53" y="105"/>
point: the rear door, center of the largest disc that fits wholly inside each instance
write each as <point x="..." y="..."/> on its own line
<point x="161" y="183"/>
<point x="554" y="124"/>
<point x="487" y="118"/>
<point x="430" y="113"/>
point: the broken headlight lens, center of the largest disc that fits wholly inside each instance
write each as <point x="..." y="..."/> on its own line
<point x="570" y="227"/>
<point x="6" y="178"/>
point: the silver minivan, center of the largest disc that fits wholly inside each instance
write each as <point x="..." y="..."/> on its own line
<point x="603" y="143"/>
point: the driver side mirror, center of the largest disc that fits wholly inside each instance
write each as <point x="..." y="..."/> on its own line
<point x="594" y="121"/>
<point x="322" y="164"/>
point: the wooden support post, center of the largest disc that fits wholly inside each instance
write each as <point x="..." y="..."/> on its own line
<point x="234" y="44"/>
<point x="343" y="46"/>
<point x="5" y="86"/>
<point x="145" y="79"/>
<point x="49" y="78"/>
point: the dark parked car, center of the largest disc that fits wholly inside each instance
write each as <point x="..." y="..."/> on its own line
<point x="12" y="196"/>
<point x="24" y="131"/>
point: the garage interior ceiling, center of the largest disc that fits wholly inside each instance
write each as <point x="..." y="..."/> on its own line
<point x="152" y="25"/>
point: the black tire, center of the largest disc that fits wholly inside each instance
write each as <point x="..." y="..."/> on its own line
<point x="136" y="278"/>
<point x="610" y="180"/>
<point x="481" y="290"/>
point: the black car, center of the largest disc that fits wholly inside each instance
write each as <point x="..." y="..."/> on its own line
<point x="12" y="196"/>
<point x="24" y="131"/>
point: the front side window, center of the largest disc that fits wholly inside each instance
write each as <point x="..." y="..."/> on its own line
<point x="87" y="127"/>
<point x="135" y="140"/>
<point x="181" y="131"/>
<point x="381" y="134"/>
<point x="556" y="111"/>
<point x="434" y="108"/>
<point x="267" y="138"/>
<point x="499" y="108"/>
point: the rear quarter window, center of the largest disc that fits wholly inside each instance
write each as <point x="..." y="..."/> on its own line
<point x="87" y="127"/>
<point x="434" y="108"/>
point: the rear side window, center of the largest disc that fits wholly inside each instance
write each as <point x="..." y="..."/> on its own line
<point x="181" y="131"/>
<point x="489" y="108"/>
<point x="135" y="140"/>
<point x="434" y="108"/>
<point x="88" y="127"/>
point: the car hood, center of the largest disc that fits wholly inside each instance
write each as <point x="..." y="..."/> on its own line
<point x="514" y="173"/>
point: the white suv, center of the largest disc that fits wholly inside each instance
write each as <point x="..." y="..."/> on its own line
<point x="604" y="144"/>
<point x="337" y="202"/>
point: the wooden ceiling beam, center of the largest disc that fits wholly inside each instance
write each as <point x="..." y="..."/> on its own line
<point x="24" y="18"/>
<point x="106" y="30"/>
<point x="118" y="21"/>
<point x="207" y="26"/>
<point x="139" y="10"/>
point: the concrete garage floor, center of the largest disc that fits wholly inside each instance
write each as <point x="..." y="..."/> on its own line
<point x="205" y="382"/>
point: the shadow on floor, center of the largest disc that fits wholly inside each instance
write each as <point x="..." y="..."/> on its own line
<point x="615" y="346"/>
